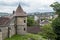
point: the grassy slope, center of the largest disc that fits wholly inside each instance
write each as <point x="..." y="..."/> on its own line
<point x="17" y="37"/>
<point x="25" y="37"/>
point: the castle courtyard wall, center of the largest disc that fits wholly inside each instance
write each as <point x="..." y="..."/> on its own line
<point x="4" y="31"/>
<point x="0" y="35"/>
<point x="12" y="30"/>
<point x="12" y="27"/>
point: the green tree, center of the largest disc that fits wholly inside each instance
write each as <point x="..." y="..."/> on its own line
<point x="47" y="32"/>
<point x="56" y="22"/>
<point x="56" y="27"/>
<point x="56" y="7"/>
<point x="30" y="21"/>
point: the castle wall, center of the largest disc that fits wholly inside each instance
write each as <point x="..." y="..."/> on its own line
<point x="8" y="31"/>
<point x="0" y="35"/>
<point x="12" y="30"/>
<point x="12" y="27"/>
<point x="4" y="31"/>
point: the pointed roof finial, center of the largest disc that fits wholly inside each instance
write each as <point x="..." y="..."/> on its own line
<point x="19" y="11"/>
<point x="19" y="4"/>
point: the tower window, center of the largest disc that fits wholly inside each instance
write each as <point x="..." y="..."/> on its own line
<point x="0" y="30"/>
<point x="24" y="21"/>
<point x="24" y="29"/>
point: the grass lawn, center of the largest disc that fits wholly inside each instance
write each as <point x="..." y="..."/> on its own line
<point x="25" y="37"/>
<point x="17" y="37"/>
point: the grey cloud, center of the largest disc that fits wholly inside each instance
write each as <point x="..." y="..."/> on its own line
<point x="12" y="4"/>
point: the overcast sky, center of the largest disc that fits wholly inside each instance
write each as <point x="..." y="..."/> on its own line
<point x="28" y="5"/>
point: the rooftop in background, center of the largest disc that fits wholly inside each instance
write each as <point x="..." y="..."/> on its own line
<point x="4" y="21"/>
<point x="44" y="13"/>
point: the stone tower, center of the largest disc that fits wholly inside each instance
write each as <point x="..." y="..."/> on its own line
<point x="20" y="21"/>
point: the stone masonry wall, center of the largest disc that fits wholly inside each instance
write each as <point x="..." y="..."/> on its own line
<point x="21" y="30"/>
<point x="21" y="25"/>
<point x="0" y="35"/>
<point x="4" y="32"/>
<point x="20" y="21"/>
<point x="12" y="30"/>
<point x="12" y="27"/>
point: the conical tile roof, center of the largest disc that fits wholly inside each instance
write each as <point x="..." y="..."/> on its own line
<point x="20" y="12"/>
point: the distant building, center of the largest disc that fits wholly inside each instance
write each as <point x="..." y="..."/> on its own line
<point x="43" y="18"/>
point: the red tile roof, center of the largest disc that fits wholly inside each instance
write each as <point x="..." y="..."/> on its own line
<point x="4" y="20"/>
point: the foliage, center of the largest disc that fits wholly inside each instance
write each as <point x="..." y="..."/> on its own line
<point x="56" y="7"/>
<point x="30" y="21"/>
<point x="43" y="19"/>
<point x="17" y="37"/>
<point x="25" y="37"/>
<point x="50" y="19"/>
<point x="56" y="26"/>
<point x="35" y="36"/>
<point x="47" y="32"/>
<point x="56" y="22"/>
